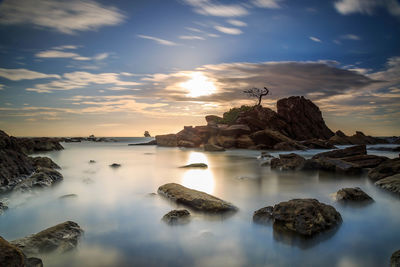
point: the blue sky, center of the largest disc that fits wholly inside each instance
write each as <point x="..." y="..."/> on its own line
<point x="117" y="68"/>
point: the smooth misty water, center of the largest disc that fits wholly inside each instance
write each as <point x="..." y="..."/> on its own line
<point x="123" y="226"/>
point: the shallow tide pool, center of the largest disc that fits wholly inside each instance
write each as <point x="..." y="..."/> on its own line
<point x="122" y="220"/>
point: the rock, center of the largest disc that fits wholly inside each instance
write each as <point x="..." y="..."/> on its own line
<point x="169" y="140"/>
<point x="60" y="238"/>
<point x="44" y="162"/>
<point x="195" y="199"/>
<point x="73" y="140"/>
<point x="175" y="217"/>
<point x="213" y="119"/>
<point x="195" y="165"/>
<point x="342" y="153"/>
<point x="288" y="146"/>
<point x="235" y="130"/>
<point x="387" y="168"/>
<point x="244" y="141"/>
<point x="339" y="139"/>
<point x="305" y="217"/>
<point x="365" y="161"/>
<point x="43" y="177"/>
<point x="183" y="143"/>
<point x="92" y="161"/>
<point x="115" y="165"/>
<point x="351" y="195"/>
<point x="68" y="196"/>
<point x="395" y="259"/>
<point x="391" y="183"/>
<point x="39" y="144"/>
<point x="14" y="168"/>
<point x="333" y="165"/>
<point x="213" y="148"/>
<point x="359" y="138"/>
<point x="189" y="134"/>
<point x="10" y="255"/>
<point x="3" y="207"/>
<point x="146" y="134"/>
<point x="151" y="143"/>
<point x="317" y="144"/>
<point x="304" y="118"/>
<point x="270" y="138"/>
<point x="224" y="141"/>
<point x="290" y="161"/>
<point x="390" y="149"/>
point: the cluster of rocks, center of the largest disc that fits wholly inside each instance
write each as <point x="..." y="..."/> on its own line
<point x="23" y="252"/>
<point x="297" y="125"/>
<point x="19" y="171"/>
<point x="91" y="138"/>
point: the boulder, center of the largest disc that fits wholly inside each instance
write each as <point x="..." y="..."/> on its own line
<point x="175" y="217"/>
<point x="365" y="161"/>
<point x="60" y="238"/>
<point x="146" y="134"/>
<point x="288" y="146"/>
<point x="385" y="169"/>
<point x="44" y="162"/>
<point x="213" y="148"/>
<point x="304" y="118"/>
<point x="306" y="217"/>
<point x="115" y="165"/>
<point x="39" y="144"/>
<point x="195" y="165"/>
<point x="390" y="149"/>
<point x="189" y="134"/>
<point x="10" y="255"/>
<point x="339" y="139"/>
<point x="395" y="259"/>
<point x="290" y="161"/>
<point x="352" y="195"/>
<point x="169" y="140"/>
<point x="359" y="138"/>
<point x="333" y="165"/>
<point x="342" y="153"/>
<point x="195" y="199"/>
<point x="270" y="138"/>
<point x="391" y="183"/>
<point x="235" y="130"/>
<point x="14" y="167"/>
<point x="223" y="141"/>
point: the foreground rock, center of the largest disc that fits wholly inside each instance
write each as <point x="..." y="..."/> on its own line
<point x="391" y="184"/>
<point x="387" y="168"/>
<point x="13" y="257"/>
<point x="175" y="217"/>
<point x="342" y="153"/>
<point x="352" y="195"/>
<point x="195" y="199"/>
<point x="39" y="144"/>
<point x="365" y="161"/>
<point x="395" y="259"/>
<point x="60" y="238"/>
<point x="290" y="161"/>
<point x="44" y="162"/>
<point x="3" y="207"/>
<point x="305" y="217"/>
<point x="334" y="165"/>
<point x="195" y="165"/>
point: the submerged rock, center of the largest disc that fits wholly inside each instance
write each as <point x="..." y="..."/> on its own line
<point x="334" y="165"/>
<point x="387" y="168"/>
<point x="395" y="259"/>
<point x="305" y="217"/>
<point x="92" y="161"/>
<point x="115" y="165"/>
<point x="290" y="161"/>
<point x="391" y="183"/>
<point x="342" y="153"/>
<point x="365" y="161"/>
<point x="175" y="217"/>
<point x="60" y="238"/>
<point x="195" y="199"/>
<point x="195" y="165"/>
<point x="213" y="148"/>
<point x="352" y="194"/>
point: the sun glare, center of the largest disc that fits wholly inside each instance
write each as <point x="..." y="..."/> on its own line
<point x="198" y="85"/>
<point x="202" y="180"/>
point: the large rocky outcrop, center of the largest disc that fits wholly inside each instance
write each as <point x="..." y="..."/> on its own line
<point x="304" y="118"/>
<point x="39" y="144"/>
<point x="195" y="199"/>
<point x="359" y="138"/>
<point x="305" y="217"/>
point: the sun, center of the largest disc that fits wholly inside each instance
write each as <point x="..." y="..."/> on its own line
<point x="198" y="85"/>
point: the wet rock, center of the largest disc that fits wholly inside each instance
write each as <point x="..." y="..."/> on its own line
<point x="305" y="217"/>
<point x="352" y="195"/>
<point x="151" y="143"/>
<point x="244" y="141"/>
<point x="44" y="162"/>
<point x="68" y="196"/>
<point x="43" y="177"/>
<point x="290" y="161"/>
<point x="60" y="238"/>
<point x="333" y="165"/>
<point x="342" y="153"/>
<point x="175" y="217"/>
<point x="195" y="199"/>
<point x="385" y="169"/>
<point x="3" y="207"/>
<point x="365" y="161"/>
<point x="213" y="148"/>
<point x="288" y="146"/>
<point x="390" y="149"/>
<point x="395" y="259"/>
<point x="270" y="138"/>
<point x="92" y="161"/>
<point x="39" y="144"/>
<point x="391" y="183"/>
<point x="10" y="255"/>
<point x="318" y="144"/>
<point x="169" y="140"/>
<point x="115" y="165"/>
<point x="304" y="118"/>
<point x="184" y="143"/>
<point x="195" y="165"/>
<point x="235" y="130"/>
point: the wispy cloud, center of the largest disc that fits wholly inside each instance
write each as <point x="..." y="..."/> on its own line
<point x="228" y="30"/>
<point x="191" y="37"/>
<point x="158" y="40"/>
<point x="66" y="17"/>
<point x="237" y="23"/>
<point x="208" y="8"/>
<point x="267" y="3"/>
<point x="193" y="29"/>
<point x="315" y="39"/>
<point x="346" y="7"/>
<point x="72" y="55"/>
<point x="350" y="37"/>
<point x="101" y="56"/>
<point x="24" y="74"/>
<point x="65" y="47"/>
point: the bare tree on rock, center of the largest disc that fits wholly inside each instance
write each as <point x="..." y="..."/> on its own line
<point x="257" y="92"/>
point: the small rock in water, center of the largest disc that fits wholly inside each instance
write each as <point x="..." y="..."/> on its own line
<point x="151" y="194"/>
<point x="195" y="165"/>
<point x="395" y="259"/>
<point x="92" y="161"/>
<point x="68" y="196"/>
<point x="175" y="217"/>
<point x="352" y="194"/>
<point x="115" y="165"/>
<point x="3" y="207"/>
<point x="263" y="215"/>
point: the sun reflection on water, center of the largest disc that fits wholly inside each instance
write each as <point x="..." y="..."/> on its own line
<point x="199" y="179"/>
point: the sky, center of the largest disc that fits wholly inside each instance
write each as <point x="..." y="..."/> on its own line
<point x="118" y="68"/>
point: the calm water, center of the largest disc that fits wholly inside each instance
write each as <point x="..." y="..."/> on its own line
<point x="122" y="221"/>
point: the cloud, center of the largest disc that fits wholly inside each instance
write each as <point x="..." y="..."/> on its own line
<point x="206" y="7"/>
<point x="80" y="79"/>
<point x="157" y="40"/>
<point x="237" y="23"/>
<point x="101" y="56"/>
<point x="227" y="30"/>
<point x="75" y="56"/>
<point x="66" y="17"/>
<point x="64" y="47"/>
<point x="193" y="29"/>
<point x="267" y="3"/>
<point x="191" y="37"/>
<point x="315" y="39"/>
<point x="350" y="37"/>
<point x="346" y="7"/>
<point x="24" y="74"/>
